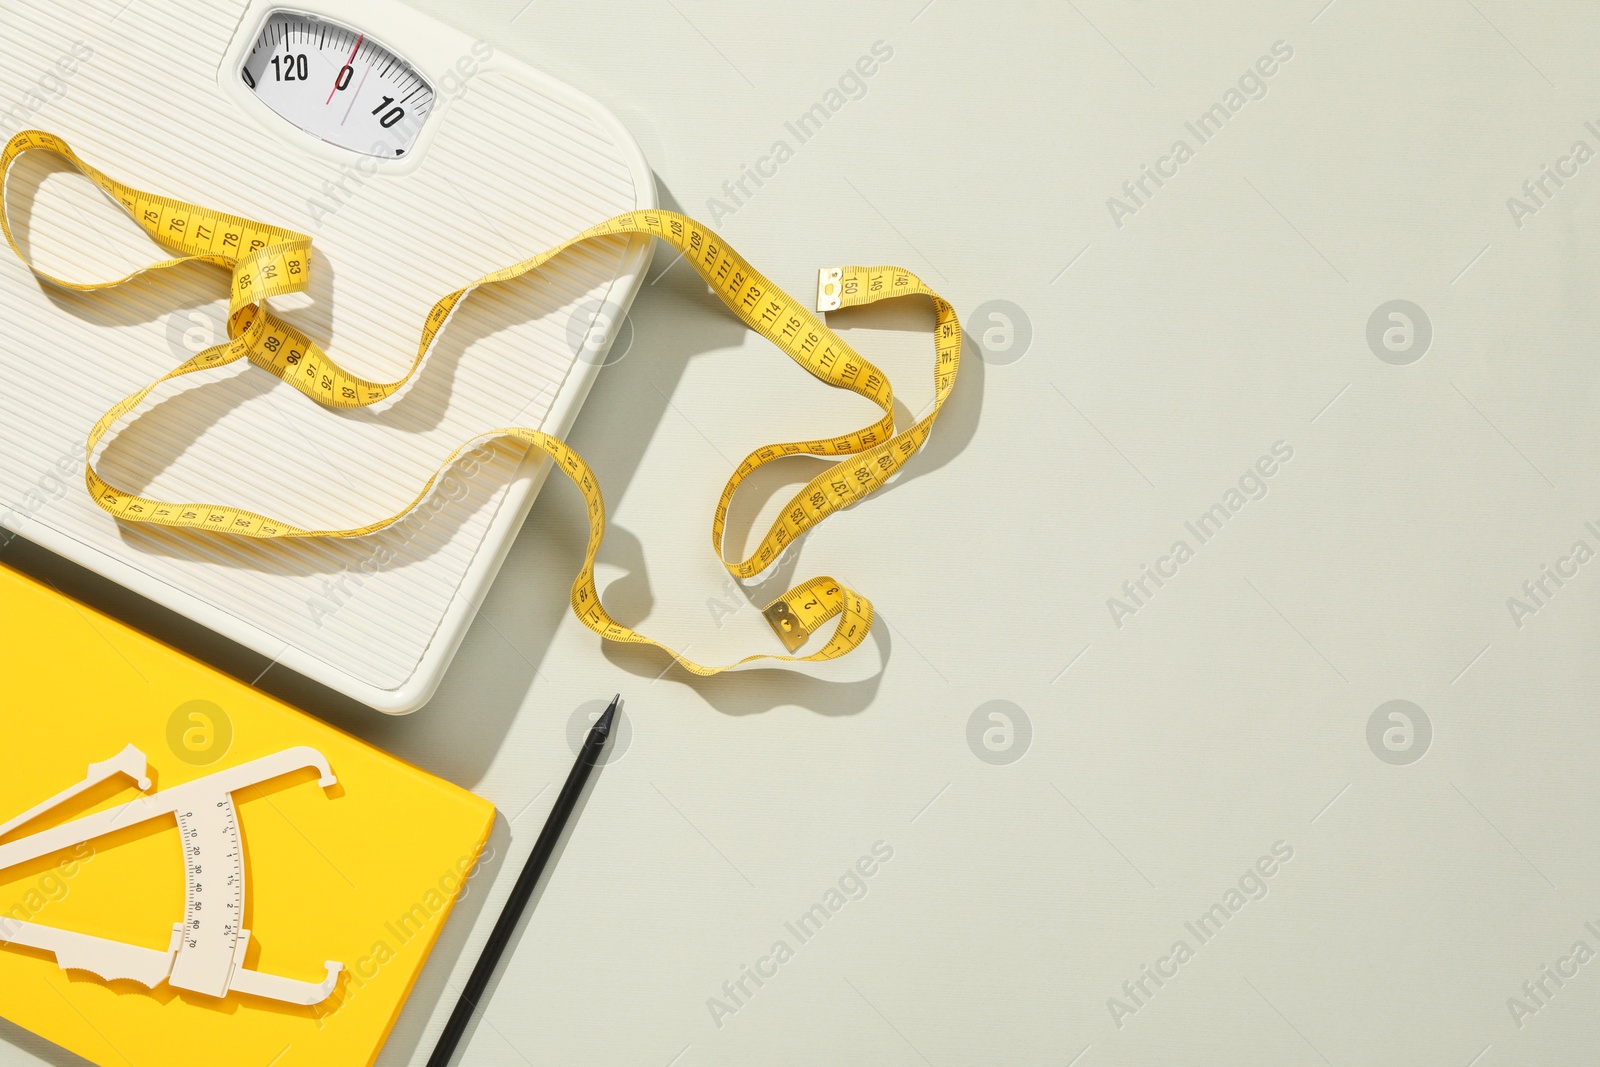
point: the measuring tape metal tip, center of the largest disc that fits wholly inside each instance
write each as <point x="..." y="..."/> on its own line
<point x="785" y="624"/>
<point x="830" y="288"/>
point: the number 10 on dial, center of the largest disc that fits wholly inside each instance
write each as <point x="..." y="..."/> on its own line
<point x="337" y="84"/>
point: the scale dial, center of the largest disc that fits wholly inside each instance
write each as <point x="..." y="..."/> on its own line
<point x="338" y="85"/>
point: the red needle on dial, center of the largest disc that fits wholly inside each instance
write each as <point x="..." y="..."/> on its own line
<point x="347" y="62"/>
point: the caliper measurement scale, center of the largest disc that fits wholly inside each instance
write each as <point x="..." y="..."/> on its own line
<point x="207" y="949"/>
<point x="213" y="896"/>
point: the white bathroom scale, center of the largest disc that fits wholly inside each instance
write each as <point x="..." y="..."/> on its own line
<point x="390" y="139"/>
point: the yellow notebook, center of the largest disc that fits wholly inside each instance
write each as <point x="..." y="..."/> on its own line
<point x="308" y="898"/>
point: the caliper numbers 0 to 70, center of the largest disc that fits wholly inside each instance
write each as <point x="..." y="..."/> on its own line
<point x="338" y="85"/>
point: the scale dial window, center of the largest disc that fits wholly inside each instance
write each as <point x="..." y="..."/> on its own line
<point x="338" y="85"/>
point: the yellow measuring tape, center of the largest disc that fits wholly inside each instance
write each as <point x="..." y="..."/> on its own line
<point x="267" y="261"/>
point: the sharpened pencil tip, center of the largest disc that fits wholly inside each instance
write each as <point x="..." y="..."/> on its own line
<point x="602" y="725"/>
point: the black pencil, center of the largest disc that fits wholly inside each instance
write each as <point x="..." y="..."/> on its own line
<point x="593" y="744"/>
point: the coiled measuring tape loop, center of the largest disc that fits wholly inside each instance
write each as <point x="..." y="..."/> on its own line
<point x="267" y="261"/>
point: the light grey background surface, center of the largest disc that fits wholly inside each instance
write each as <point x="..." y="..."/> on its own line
<point x="1046" y="850"/>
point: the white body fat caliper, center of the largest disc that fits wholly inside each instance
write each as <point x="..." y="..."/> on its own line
<point x="418" y="159"/>
<point x="207" y="949"/>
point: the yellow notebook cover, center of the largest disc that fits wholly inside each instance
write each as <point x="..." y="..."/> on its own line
<point x="361" y="873"/>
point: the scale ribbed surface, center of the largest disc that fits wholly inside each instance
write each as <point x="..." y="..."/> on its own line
<point x="146" y="109"/>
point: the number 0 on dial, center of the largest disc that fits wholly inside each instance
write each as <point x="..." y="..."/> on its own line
<point x="337" y="84"/>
